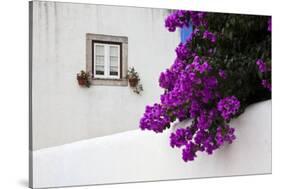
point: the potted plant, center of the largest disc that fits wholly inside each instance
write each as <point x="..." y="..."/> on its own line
<point x="83" y="78"/>
<point x="134" y="79"/>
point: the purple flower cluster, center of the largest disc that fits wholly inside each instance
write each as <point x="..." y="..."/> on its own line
<point x="192" y="140"/>
<point x="189" y="152"/>
<point x="179" y="138"/>
<point x="210" y="36"/>
<point x="266" y="84"/>
<point x="228" y="107"/>
<point x="222" y="74"/>
<point x="166" y="79"/>
<point x="155" y="118"/>
<point x="269" y="24"/>
<point x="182" y="52"/>
<point x="181" y="18"/>
<point x="225" y="134"/>
<point x="184" y="90"/>
<point x="198" y="18"/>
<point x="263" y="68"/>
<point x="191" y="90"/>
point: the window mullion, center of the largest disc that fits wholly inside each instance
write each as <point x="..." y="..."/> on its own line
<point x="107" y="63"/>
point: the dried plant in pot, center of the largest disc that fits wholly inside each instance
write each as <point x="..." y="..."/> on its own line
<point x="83" y="78"/>
<point x="134" y="80"/>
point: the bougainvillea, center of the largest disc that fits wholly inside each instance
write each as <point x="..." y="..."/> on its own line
<point x="155" y="118"/>
<point x="228" y="107"/>
<point x="217" y="73"/>
<point x="265" y="71"/>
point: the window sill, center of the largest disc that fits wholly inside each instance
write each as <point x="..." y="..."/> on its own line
<point x="109" y="82"/>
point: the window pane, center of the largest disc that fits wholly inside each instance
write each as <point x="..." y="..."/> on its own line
<point x="114" y="51"/>
<point x="113" y="61"/>
<point x="114" y="56"/>
<point x="100" y="50"/>
<point x="99" y="70"/>
<point x="99" y="65"/>
<point x="114" y="65"/>
<point x="114" y="73"/>
<point x="99" y="59"/>
<point x="114" y="70"/>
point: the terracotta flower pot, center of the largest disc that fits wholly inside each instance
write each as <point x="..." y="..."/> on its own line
<point x="81" y="81"/>
<point x="133" y="82"/>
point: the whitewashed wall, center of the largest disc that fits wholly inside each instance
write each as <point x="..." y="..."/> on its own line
<point x="62" y="111"/>
<point x="147" y="156"/>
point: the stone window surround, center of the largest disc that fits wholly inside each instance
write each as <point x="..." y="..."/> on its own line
<point x="124" y="57"/>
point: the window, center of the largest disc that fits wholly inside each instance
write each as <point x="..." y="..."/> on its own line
<point x="106" y="59"/>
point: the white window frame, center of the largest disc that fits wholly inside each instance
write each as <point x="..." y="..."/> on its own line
<point x="92" y="38"/>
<point x="106" y="61"/>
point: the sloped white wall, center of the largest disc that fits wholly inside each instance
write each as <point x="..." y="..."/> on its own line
<point x="145" y="156"/>
<point x="62" y="111"/>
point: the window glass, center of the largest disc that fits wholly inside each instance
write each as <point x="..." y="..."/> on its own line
<point x="99" y="69"/>
<point x="114" y="60"/>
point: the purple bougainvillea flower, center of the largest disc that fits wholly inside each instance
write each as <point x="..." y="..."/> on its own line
<point x="222" y="74"/>
<point x="210" y="36"/>
<point x="228" y="107"/>
<point x="194" y="88"/>
<point x="189" y="152"/>
<point x="181" y="18"/>
<point x="180" y="137"/>
<point x="182" y="51"/>
<point x="200" y="136"/>
<point x="178" y="19"/>
<point x="262" y="66"/>
<point x="167" y="79"/>
<point x="263" y="69"/>
<point x="266" y="84"/>
<point x="269" y="26"/>
<point x="155" y="118"/>
<point x="225" y="134"/>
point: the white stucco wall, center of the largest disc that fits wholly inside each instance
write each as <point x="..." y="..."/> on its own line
<point x="63" y="112"/>
<point x="146" y="156"/>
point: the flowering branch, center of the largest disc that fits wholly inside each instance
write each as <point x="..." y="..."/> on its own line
<point x="198" y="84"/>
